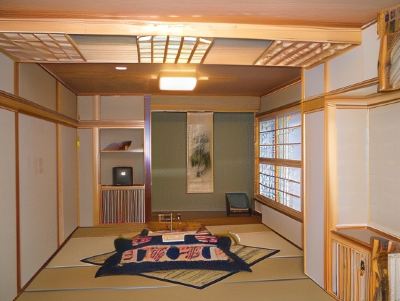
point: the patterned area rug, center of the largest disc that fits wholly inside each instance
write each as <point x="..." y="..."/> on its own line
<point x="201" y="276"/>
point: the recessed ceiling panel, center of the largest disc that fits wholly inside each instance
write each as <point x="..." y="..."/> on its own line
<point x="40" y="47"/>
<point x="144" y="78"/>
<point x="299" y="54"/>
<point x="107" y="49"/>
<point x="172" y="49"/>
<point x="235" y="51"/>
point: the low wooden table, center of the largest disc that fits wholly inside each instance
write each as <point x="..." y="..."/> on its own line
<point x="176" y="226"/>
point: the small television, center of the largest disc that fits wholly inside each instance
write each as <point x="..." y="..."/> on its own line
<point x="122" y="176"/>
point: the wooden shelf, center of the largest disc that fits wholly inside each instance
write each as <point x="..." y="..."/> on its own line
<point x="140" y="150"/>
<point x="115" y="187"/>
<point x="363" y="235"/>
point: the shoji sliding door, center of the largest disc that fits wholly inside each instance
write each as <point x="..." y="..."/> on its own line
<point x="8" y="235"/>
<point x="38" y="193"/>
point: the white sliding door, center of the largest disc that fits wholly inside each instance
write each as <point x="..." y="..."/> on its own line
<point x="8" y="235"/>
<point x="38" y="193"/>
<point x="314" y="204"/>
<point x="85" y="177"/>
<point x="69" y="176"/>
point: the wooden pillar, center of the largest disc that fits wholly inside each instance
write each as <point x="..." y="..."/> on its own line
<point x="147" y="155"/>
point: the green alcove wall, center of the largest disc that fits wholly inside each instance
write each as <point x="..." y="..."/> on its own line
<point x="233" y="161"/>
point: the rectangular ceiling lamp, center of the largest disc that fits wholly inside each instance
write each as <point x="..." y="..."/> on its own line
<point x="177" y="83"/>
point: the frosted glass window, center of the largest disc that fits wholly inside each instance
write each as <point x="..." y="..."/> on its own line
<point x="280" y="154"/>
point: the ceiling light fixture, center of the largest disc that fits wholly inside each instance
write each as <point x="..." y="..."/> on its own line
<point x="121" y="68"/>
<point x="177" y="83"/>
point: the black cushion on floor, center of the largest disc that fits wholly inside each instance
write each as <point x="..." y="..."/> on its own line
<point x="237" y="202"/>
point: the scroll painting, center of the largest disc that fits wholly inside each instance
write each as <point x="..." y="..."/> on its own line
<point x="199" y="170"/>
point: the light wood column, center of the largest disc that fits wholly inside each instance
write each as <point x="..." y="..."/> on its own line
<point x="96" y="162"/>
<point x="147" y="156"/>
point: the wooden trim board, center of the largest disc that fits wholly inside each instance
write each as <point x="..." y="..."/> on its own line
<point x="350" y="35"/>
<point x="22" y="105"/>
<point x="17" y="202"/>
<point x="88" y="124"/>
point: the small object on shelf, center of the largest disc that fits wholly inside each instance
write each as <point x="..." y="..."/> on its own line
<point x="168" y="217"/>
<point x="118" y="146"/>
<point x="125" y="145"/>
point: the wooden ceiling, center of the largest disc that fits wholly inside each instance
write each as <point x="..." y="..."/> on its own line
<point x="304" y="12"/>
<point x="143" y="78"/>
<point x="274" y="33"/>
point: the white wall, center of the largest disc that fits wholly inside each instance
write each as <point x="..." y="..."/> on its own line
<point x="384" y="168"/>
<point x="68" y="102"/>
<point x="352" y="166"/>
<point x="187" y="103"/>
<point x="8" y="233"/>
<point x="284" y="225"/>
<point x="358" y="64"/>
<point x="38" y="193"/>
<point x="69" y="174"/>
<point x="36" y="85"/>
<point x="314" y="83"/>
<point x="314" y="203"/>
<point x="85" y="107"/>
<point x="281" y="97"/>
<point x="6" y="73"/>
<point x="85" y="177"/>
<point x="121" y="107"/>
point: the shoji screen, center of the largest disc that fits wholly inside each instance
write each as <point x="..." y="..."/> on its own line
<point x="85" y="177"/>
<point x="69" y="174"/>
<point x="8" y="235"/>
<point x="314" y="204"/>
<point x="38" y="193"/>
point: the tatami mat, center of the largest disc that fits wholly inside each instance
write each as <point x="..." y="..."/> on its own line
<point x="293" y="290"/>
<point x="111" y="230"/>
<point x="238" y="228"/>
<point x="84" y="278"/>
<point x="279" y="277"/>
<point x="270" y="240"/>
<point x="78" y="248"/>
<point x="270" y="269"/>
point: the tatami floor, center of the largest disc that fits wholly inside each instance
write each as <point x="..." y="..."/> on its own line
<point x="279" y="277"/>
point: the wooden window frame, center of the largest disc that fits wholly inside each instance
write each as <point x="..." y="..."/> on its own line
<point x="274" y="204"/>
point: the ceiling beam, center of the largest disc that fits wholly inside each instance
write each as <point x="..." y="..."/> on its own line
<point x="206" y="30"/>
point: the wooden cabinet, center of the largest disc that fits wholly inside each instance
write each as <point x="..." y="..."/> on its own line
<point x="363" y="264"/>
<point x="121" y="204"/>
<point x="124" y="204"/>
<point x="350" y="270"/>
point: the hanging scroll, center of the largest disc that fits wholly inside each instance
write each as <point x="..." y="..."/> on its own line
<point x="200" y="178"/>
